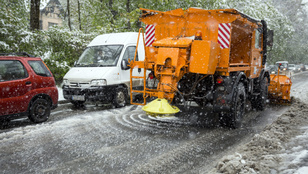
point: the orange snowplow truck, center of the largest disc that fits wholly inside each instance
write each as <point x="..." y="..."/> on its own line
<point x="215" y="58"/>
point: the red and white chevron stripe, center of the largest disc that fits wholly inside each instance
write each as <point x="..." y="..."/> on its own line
<point x="149" y="35"/>
<point x="224" y="31"/>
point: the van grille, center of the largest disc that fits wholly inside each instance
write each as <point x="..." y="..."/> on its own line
<point x="76" y="85"/>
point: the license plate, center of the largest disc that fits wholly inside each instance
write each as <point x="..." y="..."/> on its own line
<point x="78" y="97"/>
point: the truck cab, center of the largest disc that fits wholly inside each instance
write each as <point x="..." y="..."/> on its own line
<point x="101" y="73"/>
<point x="284" y="65"/>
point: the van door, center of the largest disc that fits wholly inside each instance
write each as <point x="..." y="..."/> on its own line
<point x="125" y="74"/>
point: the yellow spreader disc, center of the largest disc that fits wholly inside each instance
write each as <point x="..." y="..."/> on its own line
<point x="160" y="107"/>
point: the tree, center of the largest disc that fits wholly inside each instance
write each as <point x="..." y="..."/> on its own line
<point x="128" y="11"/>
<point x="35" y="15"/>
<point x="69" y="14"/>
<point x="296" y="11"/>
<point x="79" y="20"/>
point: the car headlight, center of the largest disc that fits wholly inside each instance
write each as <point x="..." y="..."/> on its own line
<point x="99" y="82"/>
<point x="66" y="82"/>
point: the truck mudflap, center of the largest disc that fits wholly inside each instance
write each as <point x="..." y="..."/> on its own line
<point x="222" y="102"/>
<point x="224" y="93"/>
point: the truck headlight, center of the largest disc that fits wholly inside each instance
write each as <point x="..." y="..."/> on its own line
<point x="99" y="82"/>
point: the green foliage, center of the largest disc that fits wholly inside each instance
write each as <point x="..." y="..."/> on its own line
<point x="13" y="23"/>
<point x="60" y="48"/>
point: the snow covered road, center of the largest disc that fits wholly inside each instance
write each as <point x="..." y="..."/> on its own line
<point x="125" y="140"/>
<point x="282" y="147"/>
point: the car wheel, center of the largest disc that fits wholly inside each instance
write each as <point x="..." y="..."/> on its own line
<point x="234" y="118"/>
<point x="39" y="111"/>
<point x="120" y="97"/>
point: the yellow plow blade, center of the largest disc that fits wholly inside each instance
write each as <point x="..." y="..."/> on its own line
<point x="280" y="89"/>
<point x="160" y="107"/>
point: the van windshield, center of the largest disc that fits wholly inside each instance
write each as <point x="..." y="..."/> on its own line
<point x="103" y="55"/>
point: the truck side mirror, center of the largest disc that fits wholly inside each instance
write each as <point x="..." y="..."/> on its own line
<point x="124" y="64"/>
<point x="270" y="38"/>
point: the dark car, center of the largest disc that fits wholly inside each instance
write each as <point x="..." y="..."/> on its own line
<point x="303" y="67"/>
<point x="27" y="88"/>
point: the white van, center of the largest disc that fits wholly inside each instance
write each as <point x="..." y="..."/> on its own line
<point x="101" y="73"/>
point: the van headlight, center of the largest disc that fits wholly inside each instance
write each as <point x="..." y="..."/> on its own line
<point x="98" y="82"/>
<point x="66" y="82"/>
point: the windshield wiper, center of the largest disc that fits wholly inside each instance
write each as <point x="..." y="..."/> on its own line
<point x="93" y="65"/>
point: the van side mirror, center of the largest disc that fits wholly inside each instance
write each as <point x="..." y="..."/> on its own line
<point x="124" y="64"/>
<point x="270" y="38"/>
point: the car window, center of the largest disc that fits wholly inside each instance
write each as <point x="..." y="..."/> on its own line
<point x="12" y="70"/>
<point x="39" y="68"/>
<point x="130" y="53"/>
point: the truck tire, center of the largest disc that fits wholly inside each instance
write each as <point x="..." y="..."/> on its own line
<point x="39" y="110"/>
<point x="259" y="102"/>
<point x="120" y="97"/>
<point x="234" y="118"/>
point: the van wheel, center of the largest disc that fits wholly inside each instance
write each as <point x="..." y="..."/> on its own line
<point x="120" y="97"/>
<point x="234" y="118"/>
<point x="39" y="111"/>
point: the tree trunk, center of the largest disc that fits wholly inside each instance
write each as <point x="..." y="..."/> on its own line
<point x="113" y="12"/>
<point x="128" y="11"/>
<point x="35" y="15"/>
<point x="79" y="14"/>
<point x="69" y="14"/>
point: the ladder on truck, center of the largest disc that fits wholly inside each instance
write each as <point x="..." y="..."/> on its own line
<point x="138" y="64"/>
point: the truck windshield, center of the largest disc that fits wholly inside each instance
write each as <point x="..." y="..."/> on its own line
<point x="103" y="55"/>
<point x="283" y="65"/>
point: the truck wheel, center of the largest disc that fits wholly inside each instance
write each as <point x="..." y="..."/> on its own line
<point x="260" y="103"/>
<point x="39" y="111"/>
<point x="120" y="97"/>
<point x="234" y="118"/>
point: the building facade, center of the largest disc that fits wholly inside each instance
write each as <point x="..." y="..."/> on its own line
<point x="51" y="15"/>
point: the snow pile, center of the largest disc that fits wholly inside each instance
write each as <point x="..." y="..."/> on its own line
<point x="279" y="148"/>
<point x="60" y="94"/>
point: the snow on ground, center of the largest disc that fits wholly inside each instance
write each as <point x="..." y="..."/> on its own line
<point x="60" y="94"/>
<point x="281" y="147"/>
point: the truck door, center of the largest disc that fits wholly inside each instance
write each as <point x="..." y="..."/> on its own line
<point x="125" y="74"/>
<point x="256" y="62"/>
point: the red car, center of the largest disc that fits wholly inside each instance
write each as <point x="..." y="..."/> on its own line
<point x="27" y="88"/>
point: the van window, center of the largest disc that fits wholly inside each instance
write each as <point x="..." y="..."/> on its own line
<point x="130" y="53"/>
<point x="102" y="55"/>
<point x="39" y="68"/>
<point x="12" y="70"/>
